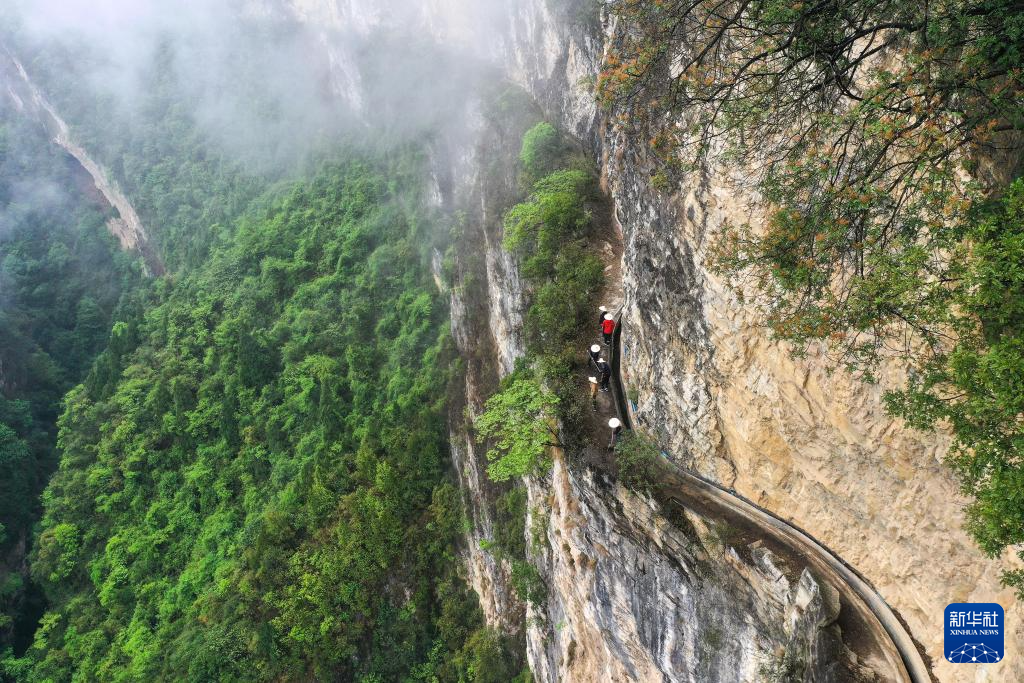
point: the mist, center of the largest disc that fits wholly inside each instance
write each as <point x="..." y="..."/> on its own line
<point x="271" y="81"/>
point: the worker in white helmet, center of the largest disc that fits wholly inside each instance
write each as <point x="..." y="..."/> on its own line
<point x="605" y="373"/>
<point x="607" y="328"/>
<point x="616" y="427"/>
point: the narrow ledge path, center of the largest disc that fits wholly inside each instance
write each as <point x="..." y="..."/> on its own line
<point x="893" y="641"/>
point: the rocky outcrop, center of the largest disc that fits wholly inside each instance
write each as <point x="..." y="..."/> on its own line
<point x="634" y="596"/>
<point x="124" y="222"/>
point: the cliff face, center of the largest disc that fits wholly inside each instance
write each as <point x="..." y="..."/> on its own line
<point x="723" y="399"/>
<point x="487" y="301"/>
<point x="727" y="401"/>
<point x="631" y="594"/>
<point x="817" y="448"/>
<point x="636" y="596"/>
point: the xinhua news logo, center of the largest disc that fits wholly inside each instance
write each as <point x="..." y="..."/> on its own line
<point x="974" y="633"/>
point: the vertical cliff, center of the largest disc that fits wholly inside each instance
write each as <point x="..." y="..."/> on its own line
<point x="487" y="303"/>
<point x="638" y="590"/>
<point x="633" y="591"/>
<point x="814" y="445"/>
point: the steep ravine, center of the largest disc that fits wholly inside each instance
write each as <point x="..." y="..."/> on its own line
<point x="124" y="222"/>
<point x="725" y="400"/>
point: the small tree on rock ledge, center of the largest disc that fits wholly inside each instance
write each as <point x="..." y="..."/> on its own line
<point x="522" y="418"/>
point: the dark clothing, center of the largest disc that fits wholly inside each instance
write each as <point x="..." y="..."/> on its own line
<point x="606" y="374"/>
<point x="615" y="437"/>
<point x="594" y="355"/>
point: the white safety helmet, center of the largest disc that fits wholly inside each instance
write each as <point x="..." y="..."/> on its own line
<point x="593" y="380"/>
<point x="614" y="423"/>
<point x="595" y="348"/>
<point x="607" y="316"/>
<point x="602" y="308"/>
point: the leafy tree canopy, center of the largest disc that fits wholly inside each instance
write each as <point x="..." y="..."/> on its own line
<point x="521" y="419"/>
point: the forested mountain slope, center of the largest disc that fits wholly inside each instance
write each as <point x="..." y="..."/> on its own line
<point x="254" y="485"/>
<point x="62" y="280"/>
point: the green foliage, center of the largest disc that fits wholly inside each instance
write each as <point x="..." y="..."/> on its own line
<point x="252" y="481"/>
<point x="57" y="553"/>
<point x="554" y="213"/>
<point x="878" y="134"/>
<point x="636" y="457"/>
<point x="487" y="658"/>
<point x="542" y="150"/>
<point x="977" y="386"/>
<point x="62" y="278"/>
<point x="550" y="231"/>
<point x="527" y="582"/>
<point x="521" y="420"/>
<point x="510" y="523"/>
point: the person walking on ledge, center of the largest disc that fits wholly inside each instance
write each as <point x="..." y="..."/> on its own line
<point x="606" y="373"/>
<point x="616" y="426"/>
<point x="607" y="328"/>
<point x="593" y="392"/>
<point x="595" y="353"/>
<point x="602" y="311"/>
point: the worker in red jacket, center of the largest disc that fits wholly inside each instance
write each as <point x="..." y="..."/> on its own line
<point x="607" y="327"/>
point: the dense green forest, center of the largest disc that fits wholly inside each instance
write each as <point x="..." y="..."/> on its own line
<point x="253" y="477"/>
<point x="62" y="280"/>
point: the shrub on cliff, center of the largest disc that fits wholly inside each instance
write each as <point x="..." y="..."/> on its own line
<point x="521" y="420"/>
<point x="542" y="150"/>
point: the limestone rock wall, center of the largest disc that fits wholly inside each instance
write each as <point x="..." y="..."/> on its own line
<point x="725" y="400"/>
<point x="634" y="596"/>
<point x="815" y="446"/>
